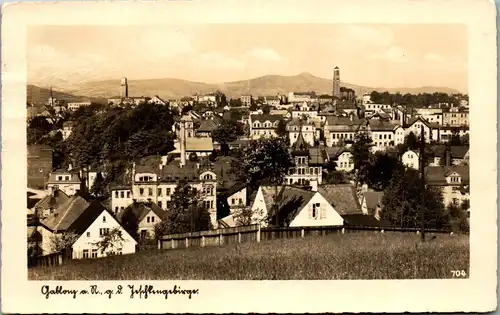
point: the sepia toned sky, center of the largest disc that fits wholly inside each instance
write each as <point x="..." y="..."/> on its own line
<point x="382" y="55"/>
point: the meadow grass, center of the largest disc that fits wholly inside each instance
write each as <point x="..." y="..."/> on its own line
<point x="348" y="256"/>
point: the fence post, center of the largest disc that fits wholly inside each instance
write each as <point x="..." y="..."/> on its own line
<point x="258" y="234"/>
<point x="220" y="239"/>
<point x="187" y="242"/>
<point x="239" y="238"/>
<point x="173" y="244"/>
<point x="159" y="244"/>
<point x="302" y="233"/>
<point x="203" y="241"/>
<point x="60" y="259"/>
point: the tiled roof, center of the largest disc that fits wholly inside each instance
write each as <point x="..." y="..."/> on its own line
<point x="380" y="125"/>
<point x="199" y="144"/>
<point x="74" y="177"/>
<point x="52" y="200"/>
<point x="66" y="214"/>
<point x="289" y="197"/>
<point x="373" y="199"/>
<point x="436" y="175"/>
<point x="457" y="152"/>
<point x="207" y="125"/>
<point x="317" y="156"/>
<point x="263" y="118"/>
<point x="141" y="209"/>
<point x="87" y="217"/>
<point x="424" y="121"/>
<point x="236" y="187"/>
<point x="333" y="152"/>
<point x="342" y="197"/>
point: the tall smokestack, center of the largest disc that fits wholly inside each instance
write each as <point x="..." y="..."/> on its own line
<point x="336" y="82"/>
<point x="124" y="88"/>
<point x="183" y="140"/>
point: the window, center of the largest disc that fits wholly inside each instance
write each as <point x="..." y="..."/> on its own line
<point x="94" y="253"/>
<point x="233" y="201"/>
<point x="85" y="253"/>
<point x="152" y="219"/>
<point x="159" y="191"/>
<point x="122" y="207"/>
<point x="147" y="219"/>
<point x="150" y="191"/>
<point x="116" y="209"/>
<point x="116" y="194"/>
<point x="59" y="177"/>
<point x="240" y="201"/>
<point x="66" y="178"/>
<point x="103" y="231"/>
<point x="122" y="194"/>
<point x="104" y="219"/>
<point x="168" y="192"/>
<point x="119" y="251"/>
<point x="141" y="191"/>
<point x="166" y="204"/>
<point x="128" y="194"/>
<point x="211" y="204"/>
<point x="159" y="204"/>
<point x="143" y="234"/>
<point x="88" y="234"/>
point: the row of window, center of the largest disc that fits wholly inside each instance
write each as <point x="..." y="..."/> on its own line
<point x="265" y="125"/>
<point x="121" y="194"/>
<point x="257" y="132"/>
<point x="345" y="164"/>
<point x="94" y="253"/>
<point x="233" y="201"/>
<point x="304" y="171"/>
<point x="66" y="177"/>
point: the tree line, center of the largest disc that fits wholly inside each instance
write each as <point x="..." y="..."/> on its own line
<point x="416" y="100"/>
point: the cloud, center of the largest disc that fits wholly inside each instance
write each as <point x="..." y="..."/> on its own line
<point x="393" y="53"/>
<point x="266" y="54"/>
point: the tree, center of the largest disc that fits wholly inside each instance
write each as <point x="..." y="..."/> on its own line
<point x="402" y="202"/>
<point x="381" y="169"/>
<point x="193" y="157"/>
<point x="98" y="188"/>
<point x="264" y="160"/>
<point x="235" y="102"/>
<point x="465" y="139"/>
<point x="226" y="132"/>
<point x="63" y="241"/>
<point x="411" y="141"/>
<point x="110" y="240"/>
<point x="281" y="129"/>
<point x="253" y="106"/>
<point x="361" y="156"/>
<point x="244" y="216"/>
<point x="187" y="213"/>
<point x="266" y="109"/>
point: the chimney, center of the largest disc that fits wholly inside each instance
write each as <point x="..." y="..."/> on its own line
<point x="314" y="184"/>
<point x="52" y="191"/>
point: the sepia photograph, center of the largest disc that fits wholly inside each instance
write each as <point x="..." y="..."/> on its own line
<point x="245" y="150"/>
<point x="208" y="157"/>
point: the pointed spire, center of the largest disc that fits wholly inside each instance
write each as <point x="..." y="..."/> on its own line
<point x="300" y="146"/>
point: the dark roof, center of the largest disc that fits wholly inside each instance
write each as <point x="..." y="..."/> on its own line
<point x="342" y="197"/>
<point x="300" y="146"/>
<point x="424" y="121"/>
<point x="457" y="152"/>
<point x="53" y="201"/>
<point x="207" y="125"/>
<point x="373" y="199"/>
<point x="290" y="198"/>
<point x="263" y="118"/>
<point x="66" y="214"/>
<point x="436" y="175"/>
<point x="87" y="217"/>
<point x="380" y="125"/>
<point x="141" y="209"/>
<point x="233" y="189"/>
<point x="366" y="220"/>
<point x="317" y="156"/>
<point x="333" y="152"/>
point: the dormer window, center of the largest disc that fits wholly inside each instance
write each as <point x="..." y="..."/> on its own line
<point x="454" y="179"/>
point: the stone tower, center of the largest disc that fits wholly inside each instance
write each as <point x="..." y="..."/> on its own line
<point x="336" y="82"/>
<point x="124" y="88"/>
<point x="186" y="131"/>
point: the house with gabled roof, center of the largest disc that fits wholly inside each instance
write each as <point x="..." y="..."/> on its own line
<point x="371" y="203"/>
<point x="342" y="129"/>
<point x="308" y="163"/>
<point x="342" y="156"/>
<point x="455" y="154"/>
<point x="207" y="126"/>
<point x="431" y="130"/>
<point x="263" y="126"/>
<point x="297" y="126"/>
<point x="89" y="222"/>
<point x="143" y="215"/>
<point x="67" y="181"/>
<point x="48" y="204"/>
<point x="453" y="181"/>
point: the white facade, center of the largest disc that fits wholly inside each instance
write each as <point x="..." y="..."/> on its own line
<point x="308" y="132"/>
<point x="399" y="135"/>
<point x="68" y="188"/>
<point x="429" y="133"/>
<point x="85" y="246"/>
<point x="382" y="139"/>
<point x="259" y="208"/>
<point x="120" y="199"/>
<point x="146" y="227"/>
<point x="317" y="212"/>
<point x="76" y="105"/>
<point x="345" y="162"/>
<point x="237" y="200"/>
<point x="410" y="159"/>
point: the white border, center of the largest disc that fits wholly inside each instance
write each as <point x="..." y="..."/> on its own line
<point x="475" y="294"/>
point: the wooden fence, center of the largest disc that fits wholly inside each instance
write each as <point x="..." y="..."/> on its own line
<point x="255" y="234"/>
<point x="54" y="259"/>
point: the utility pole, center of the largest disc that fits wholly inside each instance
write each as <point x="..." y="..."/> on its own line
<point x="422" y="182"/>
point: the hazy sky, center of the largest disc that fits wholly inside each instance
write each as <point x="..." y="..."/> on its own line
<point x="382" y="55"/>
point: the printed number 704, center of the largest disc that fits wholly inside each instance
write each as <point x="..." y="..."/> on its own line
<point x="459" y="273"/>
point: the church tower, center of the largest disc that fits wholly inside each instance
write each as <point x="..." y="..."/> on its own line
<point x="124" y="88"/>
<point x="336" y="82"/>
<point x="186" y="131"/>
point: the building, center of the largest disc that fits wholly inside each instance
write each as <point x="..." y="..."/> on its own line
<point x="300" y="97"/>
<point x="411" y="159"/>
<point x="431" y="130"/>
<point x="308" y="130"/>
<point x="124" y="98"/>
<point x="456" y="117"/>
<point x="40" y="159"/>
<point x="338" y="130"/>
<point x="246" y="100"/>
<point x="336" y="83"/>
<point x="371" y="203"/>
<point x="342" y="156"/>
<point x="47" y="206"/>
<point x="143" y="215"/>
<point x="272" y="100"/>
<point x="347" y="94"/>
<point x="157" y="100"/>
<point x="121" y="198"/>
<point x="456" y="155"/>
<point x="73" y="106"/>
<point x="453" y="181"/>
<point x="67" y="181"/>
<point x="306" y="110"/>
<point x="308" y="164"/>
<point x="206" y="128"/>
<point x="383" y="134"/>
<point x="263" y="126"/>
<point x="89" y="222"/>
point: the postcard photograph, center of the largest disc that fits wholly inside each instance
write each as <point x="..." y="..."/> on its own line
<point x="249" y="151"/>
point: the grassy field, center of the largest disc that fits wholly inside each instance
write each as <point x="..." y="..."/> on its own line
<point x="348" y="256"/>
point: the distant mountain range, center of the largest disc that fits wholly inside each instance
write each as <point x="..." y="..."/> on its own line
<point x="176" y="88"/>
